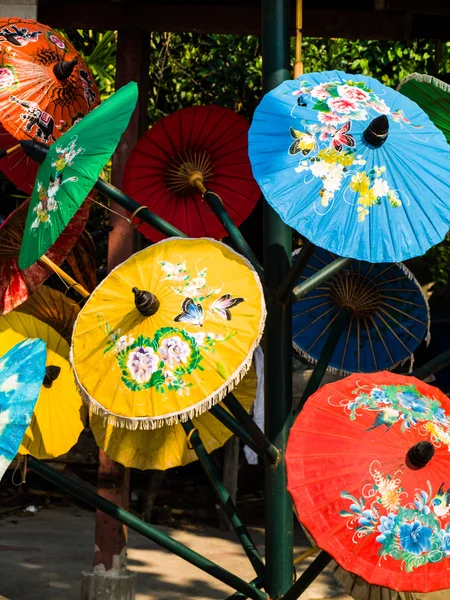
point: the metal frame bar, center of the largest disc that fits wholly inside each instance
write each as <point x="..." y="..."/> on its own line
<point x="308" y="576"/>
<point x="145" y="529"/>
<point x="433" y="366"/>
<point x="315" y="280"/>
<point x="296" y="270"/>
<point x="229" y="508"/>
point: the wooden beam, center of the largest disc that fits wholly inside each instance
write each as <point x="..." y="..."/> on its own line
<point x="235" y="18"/>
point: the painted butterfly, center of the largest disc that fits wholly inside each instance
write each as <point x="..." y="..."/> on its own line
<point x="191" y="313"/>
<point x="341" y="137"/>
<point x="303" y="142"/>
<point x="222" y="305"/>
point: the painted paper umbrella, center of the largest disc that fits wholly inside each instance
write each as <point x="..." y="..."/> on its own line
<point x="167" y="447"/>
<point x="70" y="170"/>
<point x="59" y="415"/>
<point x="387" y="315"/>
<point x="352" y="165"/>
<point x="17" y="166"/>
<point x="182" y="155"/>
<point x="45" y="85"/>
<point x="53" y="308"/>
<point x="433" y="97"/>
<point x="368" y="463"/>
<point x="16" y="284"/>
<point x="22" y="370"/>
<point x="168" y="333"/>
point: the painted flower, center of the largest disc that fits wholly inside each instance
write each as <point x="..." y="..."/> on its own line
<point x="192" y="291"/>
<point x="123" y="342"/>
<point x="218" y="337"/>
<point x="362" y="213"/>
<point x="332" y="181"/>
<point x="342" y="105"/>
<point x="380" y="396"/>
<point x="368" y="199"/>
<point x="6" y="78"/>
<point x="320" y="92"/>
<point x="199" y="338"/>
<point x="367" y="518"/>
<point x="175" y="272"/>
<point x="385" y="527"/>
<point x="444" y="536"/>
<point x="399" y="115"/>
<point x="379" y="170"/>
<point x="380" y="187"/>
<point x="327" y="130"/>
<point x="174" y="351"/>
<point x="393" y="198"/>
<point x="421" y="501"/>
<point x="379" y="106"/>
<point x="331" y="118"/>
<point x="359" y="160"/>
<point x="57" y="42"/>
<point x="440" y="416"/>
<point x="351" y="92"/>
<point x="168" y="375"/>
<point x="320" y="168"/>
<point x="142" y="363"/>
<point x="415" y="538"/>
<point x="325" y="197"/>
<point x="360" y="183"/>
<point x="411" y="401"/>
<point x="303" y="166"/>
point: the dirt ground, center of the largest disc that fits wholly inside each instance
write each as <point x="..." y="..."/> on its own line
<point x="42" y="558"/>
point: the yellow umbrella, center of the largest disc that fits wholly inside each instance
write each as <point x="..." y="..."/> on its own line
<point x="168" y="333"/>
<point x="167" y="447"/>
<point x="54" y="308"/>
<point x="59" y="414"/>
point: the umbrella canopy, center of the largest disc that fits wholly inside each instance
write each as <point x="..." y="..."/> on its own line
<point x="70" y="170"/>
<point x="433" y="97"/>
<point x="389" y="315"/>
<point x="17" y="166"/>
<point x="168" y="333"/>
<point x="206" y="142"/>
<point x="22" y="370"/>
<point x="45" y="85"/>
<point x="352" y="165"/>
<point x="167" y="447"/>
<point x="53" y="308"/>
<point x="59" y="414"/>
<point x="16" y="284"/>
<point x="367" y="463"/>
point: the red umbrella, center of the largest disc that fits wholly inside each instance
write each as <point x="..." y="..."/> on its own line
<point x="17" y="285"/>
<point x="202" y="145"/>
<point x="368" y="470"/>
<point x="17" y="167"/>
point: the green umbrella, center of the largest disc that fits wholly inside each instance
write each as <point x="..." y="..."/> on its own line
<point x="70" y="170"/>
<point x="433" y="97"/>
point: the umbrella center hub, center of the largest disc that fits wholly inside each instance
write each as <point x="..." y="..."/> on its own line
<point x="51" y="374"/>
<point x="420" y="455"/>
<point x="356" y="293"/>
<point x="146" y="302"/>
<point x="188" y="171"/>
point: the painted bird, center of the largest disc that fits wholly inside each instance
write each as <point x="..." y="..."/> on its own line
<point x="387" y="416"/>
<point x="441" y="502"/>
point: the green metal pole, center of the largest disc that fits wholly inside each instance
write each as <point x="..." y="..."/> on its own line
<point x="131" y="205"/>
<point x="236" y="409"/>
<point x="215" y="202"/>
<point x="315" y="280"/>
<point x="434" y="365"/>
<point x="284" y="293"/>
<point x="325" y="356"/>
<point x="308" y="576"/>
<point x="236" y="427"/>
<point x="224" y="497"/>
<point x="278" y="358"/>
<point x="259" y="582"/>
<point x="148" y="531"/>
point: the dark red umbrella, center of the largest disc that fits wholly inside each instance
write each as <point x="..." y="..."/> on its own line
<point x="16" y="285"/>
<point x="17" y="167"/>
<point x="191" y="149"/>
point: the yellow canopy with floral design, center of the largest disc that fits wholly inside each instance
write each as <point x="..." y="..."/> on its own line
<point x="168" y="333"/>
<point x="167" y="447"/>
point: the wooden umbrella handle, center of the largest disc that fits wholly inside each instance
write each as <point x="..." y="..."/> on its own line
<point x="67" y="278"/>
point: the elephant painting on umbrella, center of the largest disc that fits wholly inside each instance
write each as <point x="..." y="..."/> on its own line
<point x="35" y="116"/>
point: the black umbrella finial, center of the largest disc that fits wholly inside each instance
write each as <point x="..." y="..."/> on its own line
<point x="377" y="132"/>
<point x="51" y="374"/>
<point x="35" y="150"/>
<point x="420" y="454"/>
<point x="64" y="69"/>
<point x="146" y="302"/>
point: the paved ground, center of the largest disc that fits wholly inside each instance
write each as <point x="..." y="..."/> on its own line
<point x="42" y="557"/>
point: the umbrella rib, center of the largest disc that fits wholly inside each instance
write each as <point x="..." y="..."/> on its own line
<point x="371" y="345"/>
<point x="350" y="324"/>
<point x="303" y="312"/>
<point x="402" y="326"/>
<point x="403" y="313"/>
<point x="382" y="339"/>
<point x="393" y="332"/>
<point x="405" y="302"/>
<point x="323" y="331"/>
<point x="312" y="322"/>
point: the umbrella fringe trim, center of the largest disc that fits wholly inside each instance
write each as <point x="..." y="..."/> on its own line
<point x="424" y="78"/>
<point x="201" y="407"/>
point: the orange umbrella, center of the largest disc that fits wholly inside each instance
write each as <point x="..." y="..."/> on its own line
<point x="45" y="85"/>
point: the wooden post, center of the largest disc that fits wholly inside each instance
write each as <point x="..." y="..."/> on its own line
<point x="110" y="579"/>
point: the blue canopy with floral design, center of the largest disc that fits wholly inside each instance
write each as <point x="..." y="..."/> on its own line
<point x="316" y="169"/>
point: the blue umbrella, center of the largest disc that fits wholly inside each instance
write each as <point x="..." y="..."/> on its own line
<point x="352" y="165"/>
<point x="388" y="315"/>
<point x="22" y="372"/>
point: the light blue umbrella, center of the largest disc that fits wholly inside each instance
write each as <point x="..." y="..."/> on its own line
<point x="388" y="315"/>
<point x="352" y="165"/>
<point x="22" y="372"/>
